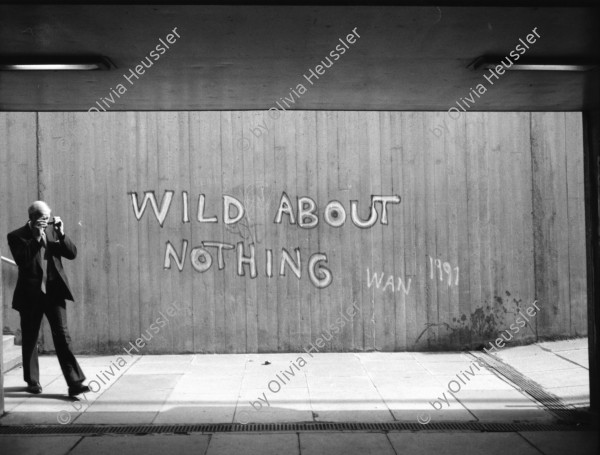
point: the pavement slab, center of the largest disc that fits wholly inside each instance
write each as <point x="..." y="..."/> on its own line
<point x="345" y="443"/>
<point x="461" y="443"/>
<point x="37" y="445"/>
<point x="142" y="445"/>
<point x="253" y="444"/>
<point x="565" y="442"/>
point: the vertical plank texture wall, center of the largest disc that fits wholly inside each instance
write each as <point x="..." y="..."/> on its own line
<point x="18" y="188"/>
<point x="490" y="219"/>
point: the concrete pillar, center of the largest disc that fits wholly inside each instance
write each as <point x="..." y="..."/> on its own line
<point x="2" y="344"/>
<point x="592" y="188"/>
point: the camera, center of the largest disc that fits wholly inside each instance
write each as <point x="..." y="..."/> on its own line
<point x="54" y="223"/>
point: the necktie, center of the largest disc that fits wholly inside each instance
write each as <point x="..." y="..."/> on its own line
<point x="44" y="264"/>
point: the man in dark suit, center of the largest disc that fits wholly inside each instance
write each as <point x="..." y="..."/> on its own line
<point x="42" y="289"/>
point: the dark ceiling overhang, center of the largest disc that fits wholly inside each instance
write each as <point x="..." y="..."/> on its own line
<point x="253" y="56"/>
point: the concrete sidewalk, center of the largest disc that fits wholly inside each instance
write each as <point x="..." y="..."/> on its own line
<point x="307" y="443"/>
<point x="278" y="388"/>
<point x="559" y="367"/>
<point x="344" y="387"/>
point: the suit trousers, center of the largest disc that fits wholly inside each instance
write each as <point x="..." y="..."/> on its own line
<point x="31" y="320"/>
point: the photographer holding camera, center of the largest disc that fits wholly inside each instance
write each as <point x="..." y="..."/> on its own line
<point x="42" y="289"/>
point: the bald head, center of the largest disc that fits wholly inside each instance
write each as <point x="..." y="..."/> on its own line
<point x="39" y="209"/>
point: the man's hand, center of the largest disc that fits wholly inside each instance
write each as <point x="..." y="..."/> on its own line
<point x="38" y="229"/>
<point x="59" y="226"/>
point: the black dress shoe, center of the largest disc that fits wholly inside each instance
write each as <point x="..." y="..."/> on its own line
<point x="78" y="389"/>
<point x="34" y="388"/>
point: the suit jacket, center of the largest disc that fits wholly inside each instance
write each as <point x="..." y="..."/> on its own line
<point x="26" y="253"/>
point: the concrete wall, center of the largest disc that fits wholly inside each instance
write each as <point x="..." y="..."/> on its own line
<point x="490" y="219"/>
